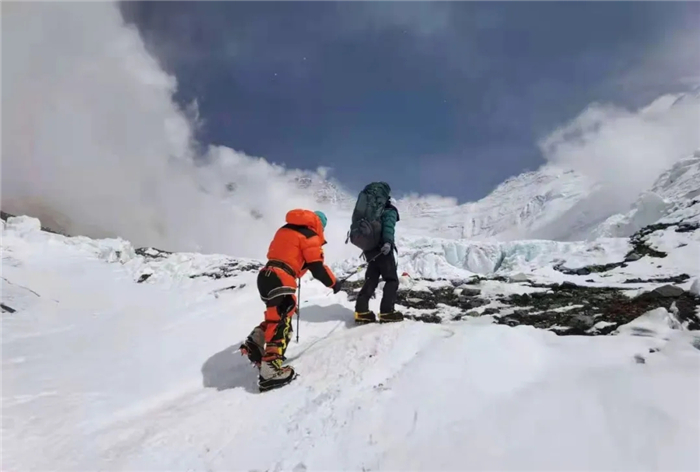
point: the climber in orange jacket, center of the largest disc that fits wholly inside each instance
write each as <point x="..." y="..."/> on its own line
<point x="296" y="248"/>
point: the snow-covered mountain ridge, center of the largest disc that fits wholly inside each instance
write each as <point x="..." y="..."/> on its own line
<point x="512" y="211"/>
<point x="549" y="203"/>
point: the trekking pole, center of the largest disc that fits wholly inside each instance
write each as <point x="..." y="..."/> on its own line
<point x="298" y="307"/>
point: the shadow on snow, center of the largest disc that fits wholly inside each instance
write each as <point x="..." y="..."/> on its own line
<point x="228" y="369"/>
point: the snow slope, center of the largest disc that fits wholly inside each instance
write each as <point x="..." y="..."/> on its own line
<point x="103" y="372"/>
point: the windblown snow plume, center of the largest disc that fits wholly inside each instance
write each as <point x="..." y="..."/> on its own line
<point x="94" y="144"/>
<point x="626" y="150"/>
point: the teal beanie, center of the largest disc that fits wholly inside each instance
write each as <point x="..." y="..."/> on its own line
<point x="322" y="217"/>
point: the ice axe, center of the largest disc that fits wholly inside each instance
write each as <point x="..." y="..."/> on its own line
<point x="358" y="269"/>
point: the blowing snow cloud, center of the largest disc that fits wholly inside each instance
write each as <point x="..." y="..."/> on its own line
<point x="94" y="144"/>
<point x="626" y="150"/>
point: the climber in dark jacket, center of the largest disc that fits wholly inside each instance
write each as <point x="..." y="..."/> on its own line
<point x="381" y="263"/>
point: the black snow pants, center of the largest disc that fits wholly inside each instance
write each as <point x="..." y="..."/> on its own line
<point x="384" y="266"/>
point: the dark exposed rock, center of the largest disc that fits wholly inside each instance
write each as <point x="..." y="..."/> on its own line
<point x="641" y="250"/>
<point x="687" y="227"/>
<point x="152" y="253"/>
<point x="143" y="278"/>
<point x="640" y="247"/>
<point x="566" y="308"/>
<point x="668" y="291"/>
<point x="581" y="307"/>
<point x="430" y="299"/>
<point x="566" y="285"/>
<point x="229" y="269"/>
<point x="676" y="279"/>
<point x="7" y="309"/>
<point x="587" y="270"/>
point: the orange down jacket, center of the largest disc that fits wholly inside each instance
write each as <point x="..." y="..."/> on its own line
<point x="299" y="245"/>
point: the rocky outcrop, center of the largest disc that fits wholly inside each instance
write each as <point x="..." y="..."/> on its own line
<point x="676" y="279"/>
<point x="566" y="308"/>
<point x="640" y="249"/>
<point x="152" y="253"/>
<point x="579" y="310"/>
<point x="587" y="270"/>
<point x="7" y="309"/>
<point x="230" y="269"/>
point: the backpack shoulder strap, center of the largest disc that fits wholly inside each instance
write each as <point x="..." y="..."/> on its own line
<point x="304" y="230"/>
<point x="391" y="206"/>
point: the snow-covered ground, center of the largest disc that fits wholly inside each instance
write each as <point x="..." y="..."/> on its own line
<point x="116" y="357"/>
<point x="103" y="372"/>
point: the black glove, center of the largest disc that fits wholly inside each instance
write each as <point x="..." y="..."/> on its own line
<point x="386" y="248"/>
<point x="337" y="286"/>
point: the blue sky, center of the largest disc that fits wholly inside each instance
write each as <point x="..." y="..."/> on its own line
<point x="445" y="98"/>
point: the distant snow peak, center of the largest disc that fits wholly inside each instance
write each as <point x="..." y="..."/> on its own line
<point x="324" y="190"/>
<point x="514" y="210"/>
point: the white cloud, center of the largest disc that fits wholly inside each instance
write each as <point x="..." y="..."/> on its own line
<point x="626" y="150"/>
<point x="93" y="143"/>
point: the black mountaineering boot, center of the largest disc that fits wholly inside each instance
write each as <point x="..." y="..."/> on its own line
<point x="390" y="317"/>
<point x="366" y="317"/>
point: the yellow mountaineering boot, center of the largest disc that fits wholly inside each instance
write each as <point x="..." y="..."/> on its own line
<point x="390" y="317"/>
<point x="366" y="317"/>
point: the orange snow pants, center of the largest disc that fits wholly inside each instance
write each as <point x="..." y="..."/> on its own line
<point x="277" y="289"/>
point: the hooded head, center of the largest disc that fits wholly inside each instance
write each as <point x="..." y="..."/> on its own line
<point x="322" y="217"/>
<point x="308" y="218"/>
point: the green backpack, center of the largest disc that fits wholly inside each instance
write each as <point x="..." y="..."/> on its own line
<point x="366" y="227"/>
